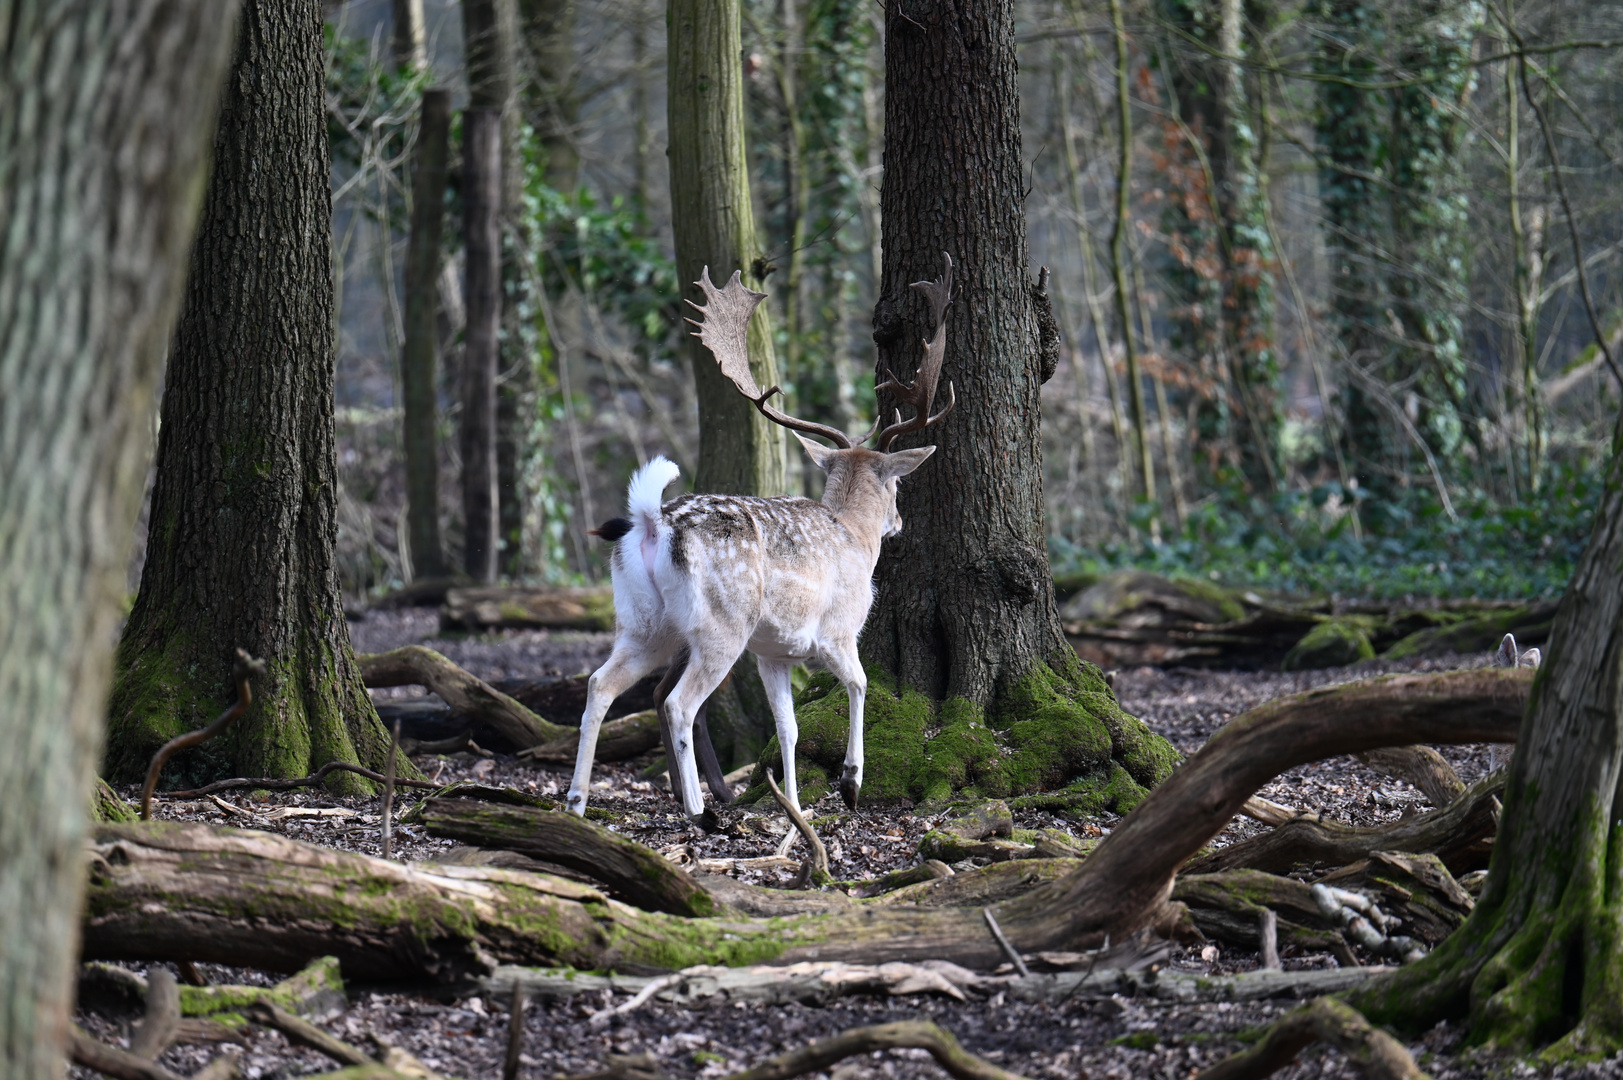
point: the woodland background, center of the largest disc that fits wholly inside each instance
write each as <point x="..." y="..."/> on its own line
<point x="1362" y="272"/>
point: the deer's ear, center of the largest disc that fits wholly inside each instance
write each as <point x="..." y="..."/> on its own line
<point x="903" y="462"/>
<point x="822" y="456"/>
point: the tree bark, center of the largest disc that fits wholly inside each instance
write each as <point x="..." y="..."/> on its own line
<point x="244" y="509"/>
<point x="420" y="356"/>
<point x="740" y="451"/>
<point x="965" y="603"/>
<point x="104" y="149"/>
<point x="1539" y="964"/>
<point x="408" y="37"/>
<point x="481" y="204"/>
<point x="549" y="31"/>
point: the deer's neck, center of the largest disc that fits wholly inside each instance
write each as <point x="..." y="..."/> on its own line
<point x="861" y="510"/>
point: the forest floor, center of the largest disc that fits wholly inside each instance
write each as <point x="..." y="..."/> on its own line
<point x="1115" y="1037"/>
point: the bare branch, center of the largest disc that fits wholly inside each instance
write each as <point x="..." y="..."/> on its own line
<point x="245" y="668"/>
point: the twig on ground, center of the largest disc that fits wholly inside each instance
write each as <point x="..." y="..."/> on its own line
<point x="189" y="973"/>
<point x="515" y="1032"/>
<point x="305" y="1033"/>
<point x="243" y="670"/>
<point x="600" y="1018"/>
<point x="907" y="1034"/>
<point x="1271" y="813"/>
<point x="123" y="1065"/>
<point x="1379" y="1055"/>
<point x="1003" y="942"/>
<point x="315" y="778"/>
<point x="815" y="869"/>
<point x="388" y="786"/>
<point x="1268" y="929"/>
<point x="157" y="1028"/>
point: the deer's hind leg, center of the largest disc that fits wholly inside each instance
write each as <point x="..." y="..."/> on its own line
<point x="630" y="661"/>
<point x="846" y="666"/>
<point x="703" y="674"/>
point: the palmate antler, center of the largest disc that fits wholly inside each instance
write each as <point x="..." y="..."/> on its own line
<point x="724" y="328"/>
<point x="921" y="395"/>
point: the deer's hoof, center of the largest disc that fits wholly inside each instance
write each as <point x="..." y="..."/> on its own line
<point x="849" y="786"/>
<point x="708" y="821"/>
<point x="576" y="804"/>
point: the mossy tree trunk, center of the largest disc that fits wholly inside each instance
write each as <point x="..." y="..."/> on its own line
<point x="104" y="146"/>
<point x="1539" y="964"/>
<point x="965" y="613"/>
<point x="244" y="510"/>
<point x="740" y="451"/>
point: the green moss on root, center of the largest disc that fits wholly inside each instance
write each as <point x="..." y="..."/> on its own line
<point x="1058" y="729"/>
<point x="1332" y="643"/>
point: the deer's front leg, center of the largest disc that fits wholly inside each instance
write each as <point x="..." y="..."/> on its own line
<point x="618" y="674"/>
<point x="848" y="669"/>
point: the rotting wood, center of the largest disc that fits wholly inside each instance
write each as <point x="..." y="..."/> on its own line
<point x="904" y="1034"/>
<point x="1379" y="1055"/>
<point x="305" y="1033"/>
<point x="124" y="1065"/>
<point x="156" y="1030"/>
<point x="416" y="665"/>
<point x="632" y="872"/>
<point x="1460" y="834"/>
<point x="819" y="982"/>
<point x="1229" y="907"/>
<point x="515" y="1031"/>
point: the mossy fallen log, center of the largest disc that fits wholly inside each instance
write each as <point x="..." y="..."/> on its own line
<point x="468" y="696"/>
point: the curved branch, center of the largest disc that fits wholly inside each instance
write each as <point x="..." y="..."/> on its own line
<point x="242" y="671"/>
<point x="1379" y="1055"/>
<point x="909" y="1034"/>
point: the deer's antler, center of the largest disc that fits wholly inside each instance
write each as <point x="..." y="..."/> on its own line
<point x="724" y="329"/>
<point x="921" y="395"/>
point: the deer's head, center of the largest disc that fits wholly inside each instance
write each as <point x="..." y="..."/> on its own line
<point x="859" y="479"/>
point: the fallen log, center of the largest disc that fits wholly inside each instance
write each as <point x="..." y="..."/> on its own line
<point x="628" y="737"/>
<point x="1230" y="907"/>
<point x="632" y="872"/>
<point x="1458" y="834"/>
<point x="508" y="608"/>
<point x="1421" y="766"/>
<point x="415" y="665"/>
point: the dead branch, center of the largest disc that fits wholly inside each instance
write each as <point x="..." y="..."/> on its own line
<point x="315" y="779"/>
<point x="515" y="1032"/>
<point x="906" y="1034"/>
<point x="123" y="1065"/>
<point x="388" y="787"/>
<point x="415" y="665"/>
<point x="242" y="671"/>
<point x="1003" y="942"/>
<point x="157" y="1028"/>
<point x="1271" y="813"/>
<point x="1326" y="1020"/>
<point x="1421" y="766"/>
<point x="814" y="871"/>
<point x="304" y="1033"/>
<point x="1232" y="906"/>
<point x="635" y="873"/>
<point x="1268" y="930"/>
<point x="1457" y="834"/>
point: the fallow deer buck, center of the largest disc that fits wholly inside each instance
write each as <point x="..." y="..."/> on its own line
<point x="786" y="578"/>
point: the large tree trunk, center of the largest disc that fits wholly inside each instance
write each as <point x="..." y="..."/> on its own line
<point x="105" y="145"/>
<point x="965" y="607"/>
<point x="740" y="451"/>
<point x="1540" y="961"/>
<point x="244" y="510"/>
<point x="420" y="352"/>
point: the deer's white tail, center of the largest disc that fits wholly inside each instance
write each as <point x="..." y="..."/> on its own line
<point x="644" y="496"/>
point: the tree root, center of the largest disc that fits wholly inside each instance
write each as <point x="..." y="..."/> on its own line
<point x="243" y="671"/>
<point x="1421" y="766"/>
<point x="415" y="665"/>
<point x="1459" y="834"/>
<point x="628" y="737"/>
<point x="906" y="1034"/>
<point x="1326" y="1020"/>
<point x="315" y="779"/>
